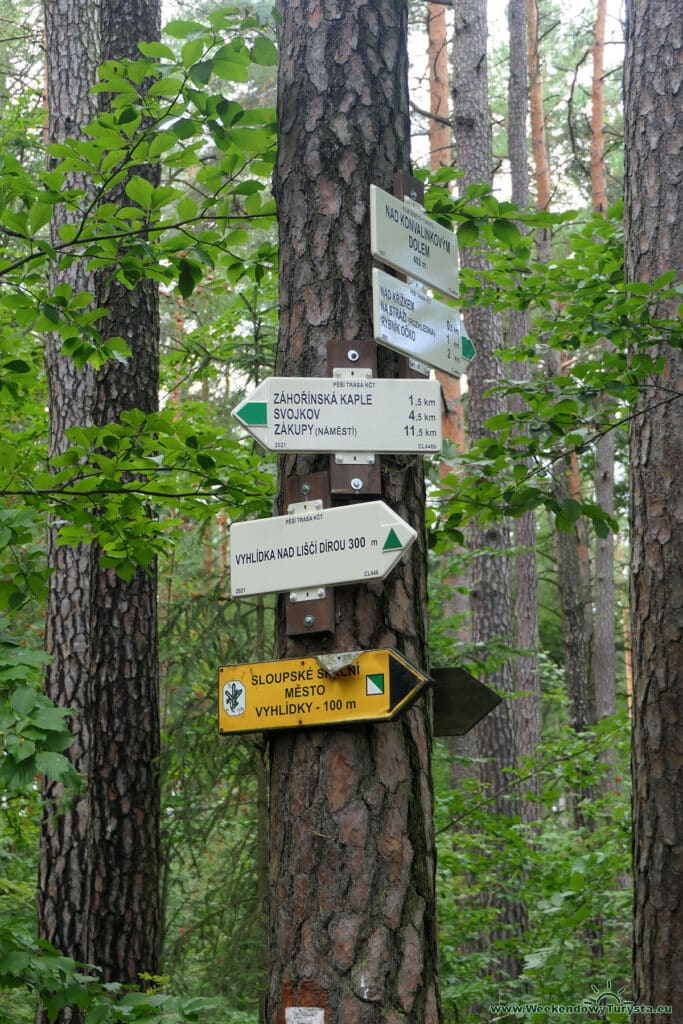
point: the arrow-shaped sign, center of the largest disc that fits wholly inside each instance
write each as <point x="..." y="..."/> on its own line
<point x="359" y="413"/>
<point x="405" y="238"/>
<point x="371" y="686"/>
<point x="406" y="318"/>
<point x="316" y="547"/>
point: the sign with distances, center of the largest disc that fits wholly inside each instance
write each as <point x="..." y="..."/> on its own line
<point x="405" y="238"/>
<point x="358" y="414"/>
<point x="407" y="319"/>
<point x="300" y="693"/>
<point x="316" y="547"/>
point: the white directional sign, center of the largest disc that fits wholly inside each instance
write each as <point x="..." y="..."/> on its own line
<point x="316" y="547"/>
<point x="407" y="319"/>
<point x="358" y="414"/>
<point x="405" y="238"/>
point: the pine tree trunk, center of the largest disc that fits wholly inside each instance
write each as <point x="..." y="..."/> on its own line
<point x="654" y="242"/>
<point x="603" y="662"/>
<point x="598" y="166"/>
<point x="72" y="56"/>
<point x="490" y="580"/>
<point x="98" y="890"/>
<point x="527" y="710"/>
<point x="353" y="927"/>
<point x="604" y="634"/>
<point x="123" y="909"/>
<point x="573" y="577"/>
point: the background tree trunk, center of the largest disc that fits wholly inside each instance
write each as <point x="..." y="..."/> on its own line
<point x="654" y="242"/>
<point x="604" y="632"/>
<point x="99" y="878"/>
<point x="353" y="925"/>
<point x="123" y="909"/>
<point x="527" y="709"/>
<point x="72" y="57"/>
<point x="490" y="587"/>
<point x="598" y="166"/>
<point x="573" y="575"/>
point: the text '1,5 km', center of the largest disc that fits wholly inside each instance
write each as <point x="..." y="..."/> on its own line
<point x="355" y="413"/>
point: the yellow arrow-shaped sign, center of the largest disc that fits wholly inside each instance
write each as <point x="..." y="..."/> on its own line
<point x="372" y="686"/>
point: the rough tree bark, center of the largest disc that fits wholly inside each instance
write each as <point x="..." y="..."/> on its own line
<point x="353" y="927"/>
<point x="99" y="864"/>
<point x="598" y="165"/>
<point x="527" y="709"/>
<point x="573" y="577"/>
<point x="490" y="577"/>
<point x="453" y="412"/>
<point x="654" y="242"/>
<point x="72" y="52"/>
<point x="604" y="628"/>
<point x="123" y="896"/>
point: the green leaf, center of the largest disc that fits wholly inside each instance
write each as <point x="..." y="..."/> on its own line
<point x="228" y="71"/>
<point x="187" y="208"/>
<point x="192" y="51"/>
<point x="54" y="765"/>
<point x="264" y="52"/>
<point x="200" y="73"/>
<point x="189" y="276"/>
<point x="166" y="87"/>
<point x="17" y="366"/>
<point x="507" y="232"/>
<point x="23" y="699"/>
<point x="140" y="191"/>
<point x="468" y="233"/>
<point x="156" y="51"/>
<point x="40" y="215"/>
<point x="181" y="29"/>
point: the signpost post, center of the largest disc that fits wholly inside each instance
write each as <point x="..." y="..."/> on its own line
<point x="351" y="413"/>
<point x="373" y="686"/>
<point x="407" y="319"/>
<point x="316" y="547"/>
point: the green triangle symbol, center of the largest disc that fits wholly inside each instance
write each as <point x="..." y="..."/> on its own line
<point x="255" y="414"/>
<point x="392" y="543"/>
<point x="374" y="684"/>
<point x="468" y="349"/>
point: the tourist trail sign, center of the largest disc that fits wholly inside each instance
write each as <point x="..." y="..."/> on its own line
<point x="406" y="318"/>
<point x="358" y="413"/>
<point x="316" y="547"/>
<point x="370" y="686"/>
<point x="405" y="238"/>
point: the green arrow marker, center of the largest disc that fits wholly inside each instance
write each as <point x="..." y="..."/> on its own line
<point x="255" y="414"/>
<point x="468" y="349"/>
<point x="374" y="684"/>
<point x="392" y="543"/>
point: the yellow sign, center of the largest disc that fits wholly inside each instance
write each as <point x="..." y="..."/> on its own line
<point x="301" y="692"/>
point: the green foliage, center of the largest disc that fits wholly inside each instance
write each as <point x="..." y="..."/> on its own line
<point x="134" y="485"/>
<point x="61" y="982"/>
<point x="571" y="878"/>
<point x="110" y="484"/>
<point x="33" y="731"/>
<point x="582" y="305"/>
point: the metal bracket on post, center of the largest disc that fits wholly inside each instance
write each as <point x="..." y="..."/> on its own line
<point x="354" y="476"/>
<point x="354" y="458"/>
<point x="309" y="612"/>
